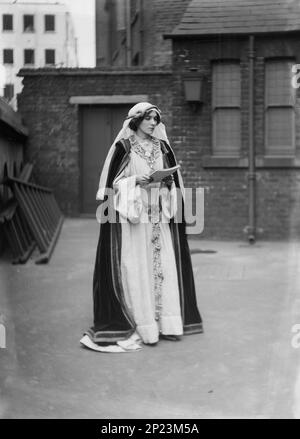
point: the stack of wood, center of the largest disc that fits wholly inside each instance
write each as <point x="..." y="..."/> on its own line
<point x="31" y="218"/>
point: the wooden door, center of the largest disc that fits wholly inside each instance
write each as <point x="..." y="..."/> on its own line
<point x="99" y="127"/>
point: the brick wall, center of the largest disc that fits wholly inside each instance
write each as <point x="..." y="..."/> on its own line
<point x="226" y="202"/>
<point x="53" y="123"/>
<point x="160" y="17"/>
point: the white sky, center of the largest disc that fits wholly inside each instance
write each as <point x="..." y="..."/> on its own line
<point x="83" y="13"/>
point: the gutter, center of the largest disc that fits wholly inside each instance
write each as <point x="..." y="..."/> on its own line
<point x="251" y="229"/>
<point x="231" y="33"/>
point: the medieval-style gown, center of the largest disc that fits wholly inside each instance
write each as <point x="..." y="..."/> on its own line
<point x="143" y="277"/>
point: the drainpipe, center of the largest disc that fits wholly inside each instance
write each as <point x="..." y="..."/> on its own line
<point x="141" y="30"/>
<point x="128" y="33"/>
<point x="110" y="33"/>
<point x="251" y="172"/>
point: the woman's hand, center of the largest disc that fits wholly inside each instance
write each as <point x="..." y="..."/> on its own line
<point x="168" y="180"/>
<point x="142" y="179"/>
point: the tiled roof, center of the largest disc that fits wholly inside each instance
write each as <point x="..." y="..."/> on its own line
<point x="211" y="17"/>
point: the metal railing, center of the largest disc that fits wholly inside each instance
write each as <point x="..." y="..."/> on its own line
<point x="17" y="232"/>
<point x="15" y="227"/>
<point x="31" y="218"/>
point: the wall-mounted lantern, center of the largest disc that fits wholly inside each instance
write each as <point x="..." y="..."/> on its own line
<point x="194" y="84"/>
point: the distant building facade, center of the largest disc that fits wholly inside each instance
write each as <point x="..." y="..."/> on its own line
<point x="33" y="35"/>
<point x="130" y="32"/>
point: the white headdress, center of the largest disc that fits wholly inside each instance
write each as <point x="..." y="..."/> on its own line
<point x="159" y="132"/>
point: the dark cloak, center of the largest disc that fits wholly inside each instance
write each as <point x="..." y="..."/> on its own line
<point x="112" y="319"/>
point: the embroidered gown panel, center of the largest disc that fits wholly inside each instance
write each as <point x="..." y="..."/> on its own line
<point x="148" y="265"/>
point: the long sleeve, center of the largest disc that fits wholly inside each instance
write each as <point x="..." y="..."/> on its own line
<point x="169" y="201"/>
<point x="127" y="198"/>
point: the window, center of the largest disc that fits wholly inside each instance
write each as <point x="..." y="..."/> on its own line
<point x="8" y="56"/>
<point x="49" y="23"/>
<point x="226" y="112"/>
<point x="279" y="108"/>
<point x="28" y="56"/>
<point x="28" y="23"/>
<point x="7" y="22"/>
<point x="8" y="91"/>
<point x="50" y="56"/>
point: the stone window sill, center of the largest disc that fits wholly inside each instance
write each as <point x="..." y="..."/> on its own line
<point x="277" y="162"/>
<point x="242" y="162"/>
<point x="225" y="162"/>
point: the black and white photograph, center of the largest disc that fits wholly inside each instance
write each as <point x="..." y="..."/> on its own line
<point x="149" y="212"/>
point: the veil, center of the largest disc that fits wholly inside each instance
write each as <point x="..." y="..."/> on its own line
<point x="125" y="132"/>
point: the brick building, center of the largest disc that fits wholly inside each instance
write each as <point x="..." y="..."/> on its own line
<point x="242" y="142"/>
<point x="246" y="51"/>
<point x="82" y="111"/>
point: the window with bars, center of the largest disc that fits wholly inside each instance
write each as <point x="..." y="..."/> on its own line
<point x="7" y="22"/>
<point x="8" y="56"/>
<point x="8" y="91"/>
<point x="226" y="111"/>
<point x="28" y="23"/>
<point x="29" y="56"/>
<point x="50" y="56"/>
<point x="49" y="23"/>
<point x="279" y="108"/>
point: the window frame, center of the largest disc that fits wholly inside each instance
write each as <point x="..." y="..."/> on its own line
<point x="283" y="150"/>
<point x="11" y="96"/>
<point x="24" y="55"/>
<point x="47" y="51"/>
<point x="45" y="23"/>
<point x="5" y="51"/>
<point x="33" y="28"/>
<point x="12" y="22"/>
<point x="215" y="106"/>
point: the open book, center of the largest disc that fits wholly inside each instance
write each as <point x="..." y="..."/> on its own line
<point x="158" y="175"/>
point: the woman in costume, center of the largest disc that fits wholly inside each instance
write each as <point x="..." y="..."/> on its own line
<point x="143" y="284"/>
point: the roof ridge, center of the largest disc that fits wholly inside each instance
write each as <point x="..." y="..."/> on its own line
<point x="258" y="15"/>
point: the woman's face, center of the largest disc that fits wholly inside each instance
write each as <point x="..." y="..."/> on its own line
<point x="148" y="123"/>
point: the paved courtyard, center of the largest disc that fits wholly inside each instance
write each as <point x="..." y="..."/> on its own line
<point x="244" y="365"/>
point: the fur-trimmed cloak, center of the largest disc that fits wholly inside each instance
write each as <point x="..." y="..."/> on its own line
<point x="112" y="318"/>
